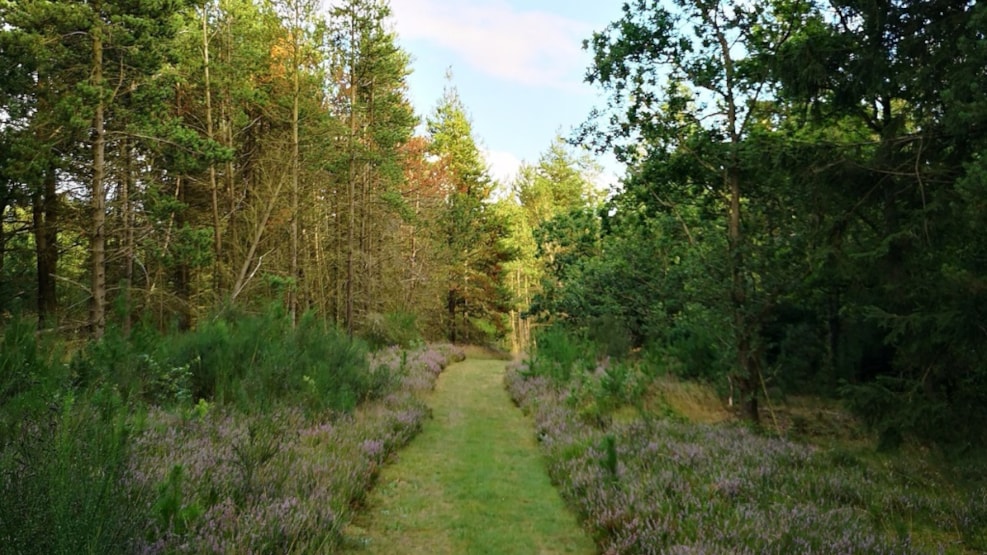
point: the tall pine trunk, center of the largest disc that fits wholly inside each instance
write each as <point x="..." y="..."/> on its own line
<point x="210" y="133"/>
<point x="295" y="282"/>
<point x="129" y="244"/>
<point x="97" y="307"/>
<point x="45" y="212"/>
<point x="351" y="239"/>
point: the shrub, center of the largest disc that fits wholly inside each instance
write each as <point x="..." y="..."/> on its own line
<point x="558" y="354"/>
<point x="64" y="448"/>
<point x="119" y="360"/>
<point x="31" y="374"/>
<point x="285" y="481"/>
<point x="64" y="480"/>
<point x="259" y="361"/>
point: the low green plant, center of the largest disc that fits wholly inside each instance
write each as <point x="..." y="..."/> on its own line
<point x="251" y="453"/>
<point x="337" y="367"/>
<point x="31" y="374"/>
<point x="170" y="508"/>
<point x="612" y="335"/>
<point x="609" y="461"/>
<point x="558" y="354"/>
<point x="65" y="481"/>
<point x="597" y="395"/>
<point x="122" y="360"/>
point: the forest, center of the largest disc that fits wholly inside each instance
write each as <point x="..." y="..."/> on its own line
<point x="223" y="219"/>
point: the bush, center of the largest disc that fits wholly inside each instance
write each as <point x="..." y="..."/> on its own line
<point x="698" y="342"/>
<point x="276" y="467"/>
<point x="31" y="374"/>
<point x="259" y="361"/>
<point x="65" y="482"/>
<point x="610" y="386"/>
<point x="558" y="354"/>
<point x="63" y="451"/>
<point x="900" y="408"/>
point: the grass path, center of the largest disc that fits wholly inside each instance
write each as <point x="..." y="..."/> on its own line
<point x="473" y="482"/>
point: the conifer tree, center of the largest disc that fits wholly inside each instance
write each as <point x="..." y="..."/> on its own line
<point x="476" y="299"/>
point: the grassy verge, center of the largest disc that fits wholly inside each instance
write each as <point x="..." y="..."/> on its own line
<point x="472" y="482"/>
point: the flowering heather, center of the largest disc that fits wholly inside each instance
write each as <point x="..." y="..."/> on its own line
<point x="673" y="487"/>
<point x="280" y="482"/>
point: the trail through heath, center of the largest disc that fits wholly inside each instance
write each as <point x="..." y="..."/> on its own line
<point x="473" y="482"/>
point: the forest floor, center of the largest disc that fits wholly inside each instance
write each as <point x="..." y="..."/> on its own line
<point x="474" y="481"/>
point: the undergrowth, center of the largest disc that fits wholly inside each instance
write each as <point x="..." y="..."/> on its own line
<point x="645" y="479"/>
<point x="246" y="433"/>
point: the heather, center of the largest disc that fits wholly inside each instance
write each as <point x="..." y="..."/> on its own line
<point x="649" y="481"/>
<point x="226" y="437"/>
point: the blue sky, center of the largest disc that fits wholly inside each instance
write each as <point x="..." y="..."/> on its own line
<point x="518" y="66"/>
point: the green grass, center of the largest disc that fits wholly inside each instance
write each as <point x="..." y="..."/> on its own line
<point x="473" y="482"/>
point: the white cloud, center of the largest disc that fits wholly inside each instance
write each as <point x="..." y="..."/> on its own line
<point x="503" y="165"/>
<point x="528" y="47"/>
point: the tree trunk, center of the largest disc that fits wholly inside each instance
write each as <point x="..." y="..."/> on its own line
<point x="97" y="307"/>
<point x="351" y="239"/>
<point x="4" y="203"/>
<point x="295" y="281"/>
<point x="210" y="133"/>
<point x="748" y="368"/>
<point x="45" y="212"/>
<point x="129" y="247"/>
<point x="182" y="273"/>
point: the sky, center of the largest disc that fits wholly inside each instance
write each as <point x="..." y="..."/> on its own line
<point x="518" y="66"/>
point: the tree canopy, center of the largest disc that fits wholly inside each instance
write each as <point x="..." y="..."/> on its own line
<point x="801" y="204"/>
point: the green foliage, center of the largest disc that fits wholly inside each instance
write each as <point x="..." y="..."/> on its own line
<point x="597" y="394"/>
<point x="613" y="337"/>
<point x="696" y="341"/>
<point x="609" y="461"/>
<point x="63" y="454"/>
<point x="558" y="354"/>
<point x="64" y="476"/>
<point x="900" y="407"/>
<point x="451" y="131"/>
<point x="31" y="374"/>
<point x="558" y="184"/>
<point x="392" y="328"/>
<point x="252" y="453"/>
<point x="257" y="361"/>
<point x="252" y="361"/>
<point x="596" y="386"/>
<point x="472" y="231"/>
<point x="128" y="363"/>
<point x="794" y="211"/>
<point x="170" y="508"/>
<point x="284" y="481"/>
<point x="486" y="331"/>
<point x="686" y="472"/>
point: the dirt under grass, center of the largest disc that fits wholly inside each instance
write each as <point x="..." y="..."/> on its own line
<point x="473" y="482"/>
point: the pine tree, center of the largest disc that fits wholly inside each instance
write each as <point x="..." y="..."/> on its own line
<point x="476" y="299"/>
